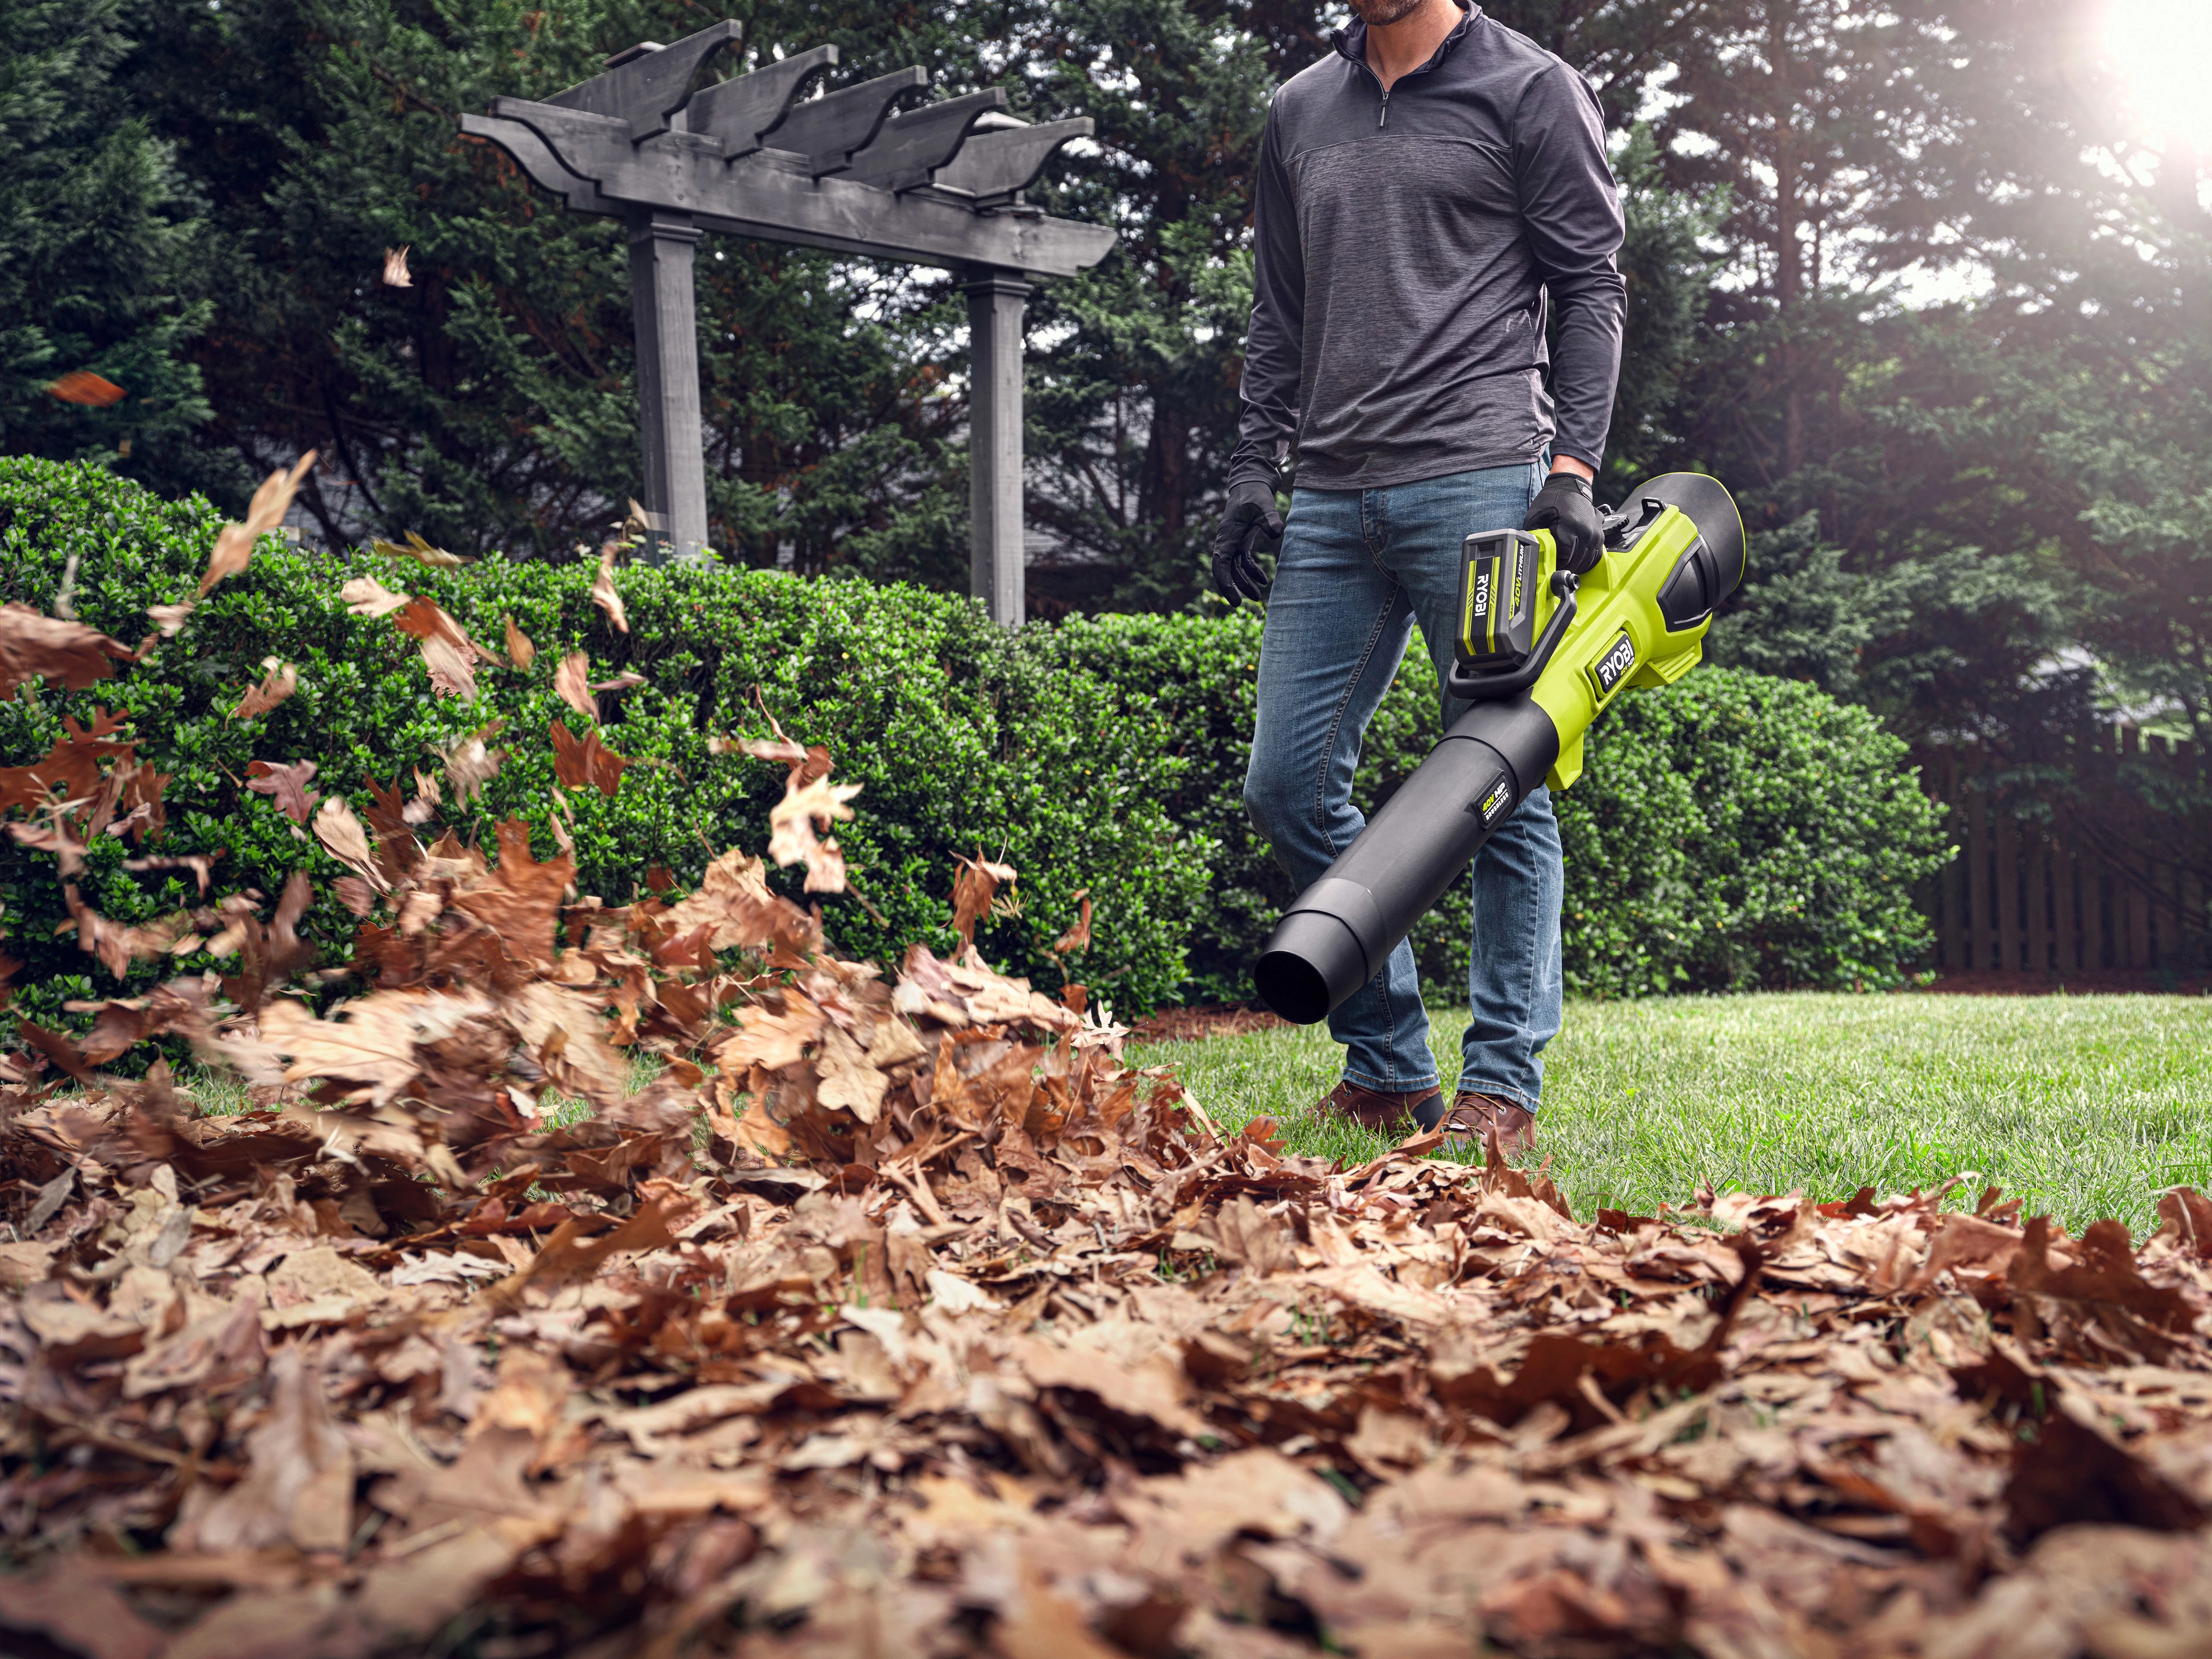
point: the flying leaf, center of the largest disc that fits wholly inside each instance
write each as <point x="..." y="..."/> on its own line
<point x="280" y="683"/>
<point x="338" y="829"/>
<point x="571" y="682"/>
<point x="1077" y="938"/>
<point x="603" y="588"/>
<point x="421" y="551"/>
<point x="168" y="619"/>
<point x="578" y="762"/>
<point x="791" y="823"/>
<point x="286" y="784"/>
<point x="468" y="763"/>
<point x="81" y="385"/>
<point x="973" y="890"/>
<point x="622" y="682"/>
<point x="519" y="646"/>
<point x="447" y="653"/>
<point x="35" y="647"/>
<point x="395" y="269"/>
<point x="775" y="748"/>
<point x="234" y="545"/>
<point x="452" y="675"/>
<point x="365" y="596"/>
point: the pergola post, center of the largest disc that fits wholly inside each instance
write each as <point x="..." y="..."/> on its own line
<point x="661" y="246"/>
<point x="995" y="300"/>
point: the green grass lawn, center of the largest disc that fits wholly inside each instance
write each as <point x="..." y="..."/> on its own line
<point x="2084" y="1107"/>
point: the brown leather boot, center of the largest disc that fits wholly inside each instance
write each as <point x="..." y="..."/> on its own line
<point x="1377" y="1108"/>
<point x="1484" y="1120"/>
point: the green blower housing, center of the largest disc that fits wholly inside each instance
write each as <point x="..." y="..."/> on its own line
<point x="1539" y="657"/>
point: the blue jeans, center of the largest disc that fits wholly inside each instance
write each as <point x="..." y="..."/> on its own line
<point x="1358" y="569"/>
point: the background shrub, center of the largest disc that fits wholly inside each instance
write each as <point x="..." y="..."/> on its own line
<point x="1735" y="830"/>
<point x="965" y="740"/>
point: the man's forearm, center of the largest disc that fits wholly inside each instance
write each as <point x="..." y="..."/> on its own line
<point x="1585" y="368"/>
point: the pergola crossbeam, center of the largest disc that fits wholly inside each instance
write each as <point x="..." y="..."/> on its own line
<point x="743" y="111"/>
<point x="645" y="90"/>
<point x="829" y="130"/>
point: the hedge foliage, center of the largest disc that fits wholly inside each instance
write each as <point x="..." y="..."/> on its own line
<point x="965" y="741"/>
<point x="1733" y="831"/>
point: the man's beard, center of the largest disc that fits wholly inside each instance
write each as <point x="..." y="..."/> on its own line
<point x="1384" y="12"/>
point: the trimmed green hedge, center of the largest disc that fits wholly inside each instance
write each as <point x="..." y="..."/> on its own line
<point x="1733" y="831"/>
<point x="963" y="739"/>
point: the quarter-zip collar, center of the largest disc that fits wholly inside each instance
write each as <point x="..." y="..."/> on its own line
<point x="1351" y="43"/>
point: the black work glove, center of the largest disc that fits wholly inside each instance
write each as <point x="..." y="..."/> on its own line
<point x="1566" y="507"/>
<point x="1252" y="524"/>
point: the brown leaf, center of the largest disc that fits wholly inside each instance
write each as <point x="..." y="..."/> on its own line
<point x="568" y="1255"/>
<point x="791" y="829"/>
<point x="520" y="901"/>
<point x="518" y="644"/>
<point x="168" y="619"/>
<point x="578" y="762"/>
<point x="69" y="1602"/>
<point x="339" y="830"/>
<point x="1077" y="938"/>
<point x="234" y="547"/>
<point x="415" y="548"/>
<point x="286" y="784"/>
<point x="973" y="890"/>
<point x="469" y="765"/>
<point x="373" y="1040"/>
<point x="570" y="684"/>
<point x="395" y="269"/>
<point x="298" y="1489"/>
<point x="279" y="682"/>
<point x="603" y="589"/>
<point x="365" y="596"/>
<point x="81" y="385"/>
<point x="33" y="646"/>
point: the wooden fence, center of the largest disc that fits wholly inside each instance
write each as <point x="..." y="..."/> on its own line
<point x="2038" y="887"/>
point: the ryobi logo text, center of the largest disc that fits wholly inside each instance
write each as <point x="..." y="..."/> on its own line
<point x="1481" y="606"/>
<point x="1613" y="667"/>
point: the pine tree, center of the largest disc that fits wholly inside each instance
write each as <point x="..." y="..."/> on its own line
<point x="102" y="254"/>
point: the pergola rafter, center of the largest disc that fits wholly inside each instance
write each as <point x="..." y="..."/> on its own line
<point x="849" y="171"/>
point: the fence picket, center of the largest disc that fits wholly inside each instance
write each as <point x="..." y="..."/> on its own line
<point x="2026" y="894"/>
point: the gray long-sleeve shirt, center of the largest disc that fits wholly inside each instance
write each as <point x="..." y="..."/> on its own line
<point x="1404" y="244"/>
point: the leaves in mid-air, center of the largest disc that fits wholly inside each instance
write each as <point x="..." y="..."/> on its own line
<point x="233" y="544"/>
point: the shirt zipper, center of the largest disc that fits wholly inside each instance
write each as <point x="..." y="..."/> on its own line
<point x="1383" y="116"/>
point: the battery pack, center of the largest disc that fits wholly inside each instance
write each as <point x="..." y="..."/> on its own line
<point x="1499" y="581"/>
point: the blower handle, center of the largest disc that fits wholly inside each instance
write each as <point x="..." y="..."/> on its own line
<point x="1489" y="688"/>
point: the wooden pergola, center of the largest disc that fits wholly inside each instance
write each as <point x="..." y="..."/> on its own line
<point x="937" y="184"/>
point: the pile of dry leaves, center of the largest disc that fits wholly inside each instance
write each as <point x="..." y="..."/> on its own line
<point x="899" y="1315"/>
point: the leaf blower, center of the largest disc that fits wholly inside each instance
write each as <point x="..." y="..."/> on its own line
<point x="1539" y="657"/>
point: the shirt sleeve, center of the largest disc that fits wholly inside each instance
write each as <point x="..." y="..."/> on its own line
<point x="1268" y="420"/>
<point x="1570" y="210"/>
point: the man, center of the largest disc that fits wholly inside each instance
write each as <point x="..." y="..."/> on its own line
<point x="1419" y="194"/>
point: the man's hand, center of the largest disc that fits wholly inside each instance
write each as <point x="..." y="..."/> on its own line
<point x="1252" y="524"/>
<point x="1566" y="507"/>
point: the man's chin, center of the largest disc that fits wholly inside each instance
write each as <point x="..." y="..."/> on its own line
<point x="1379" y="14"/>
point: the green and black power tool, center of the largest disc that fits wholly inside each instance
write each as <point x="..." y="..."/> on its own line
<point x="1539" y="657"/>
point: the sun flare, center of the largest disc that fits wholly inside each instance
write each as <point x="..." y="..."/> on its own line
<point x="2162" y="49"/>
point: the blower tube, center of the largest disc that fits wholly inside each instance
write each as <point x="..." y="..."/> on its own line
<point x="1673" y="554"/>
